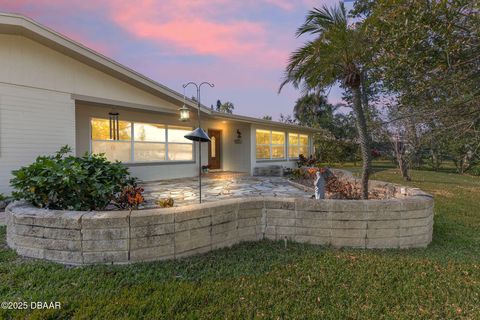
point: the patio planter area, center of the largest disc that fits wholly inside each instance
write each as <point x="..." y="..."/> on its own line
<point x="220" y="186"/>
<point x="81" y="238"/>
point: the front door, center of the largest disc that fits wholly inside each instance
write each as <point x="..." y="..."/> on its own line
<point x="214" y="148"/>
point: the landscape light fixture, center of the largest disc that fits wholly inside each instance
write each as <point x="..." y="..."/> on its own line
<point x="198" y="134"/>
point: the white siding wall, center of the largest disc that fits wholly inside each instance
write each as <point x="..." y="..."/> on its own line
<point x="234" y="156"/>
<point x="26" y="62"/>
<point x="32" y="122"/>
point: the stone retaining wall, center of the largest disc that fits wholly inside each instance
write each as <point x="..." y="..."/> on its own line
<point x="80" y="238"/>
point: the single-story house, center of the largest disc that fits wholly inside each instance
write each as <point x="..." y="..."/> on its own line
<point x="55" y="92"/>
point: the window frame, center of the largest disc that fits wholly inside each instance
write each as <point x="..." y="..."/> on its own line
<point x="132" y="141"/>
<point x="298" y="145"/>
<point x="270" y="145"/>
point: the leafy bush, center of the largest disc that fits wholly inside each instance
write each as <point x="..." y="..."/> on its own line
<point x="474" y="171"/>
<point x="68" y="182"/>
<point x="337" y="151"/>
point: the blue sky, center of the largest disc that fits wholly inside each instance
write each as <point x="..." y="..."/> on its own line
<point x="240" y="46"/>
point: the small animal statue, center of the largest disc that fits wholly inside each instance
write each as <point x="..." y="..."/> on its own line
<point x="322" y="175"/>
<point x="319" y="186"/>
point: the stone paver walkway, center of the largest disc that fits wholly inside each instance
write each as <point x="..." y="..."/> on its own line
<point x="185" y="191"/>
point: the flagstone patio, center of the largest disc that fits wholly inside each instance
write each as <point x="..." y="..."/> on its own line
<point x="219" y="186"/>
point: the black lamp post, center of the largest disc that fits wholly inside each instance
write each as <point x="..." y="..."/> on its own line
<point x="198" y="135"/>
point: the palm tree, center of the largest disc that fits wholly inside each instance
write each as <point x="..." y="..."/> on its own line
<point x="313" y="110"/>
<point x="335" y="55"/>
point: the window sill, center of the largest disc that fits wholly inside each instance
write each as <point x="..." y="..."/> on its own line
<point x="271" y="160"/>
<point x="277" y="160"/>
<point x="157" y="163"/>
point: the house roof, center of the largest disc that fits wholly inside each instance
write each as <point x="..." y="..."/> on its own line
<point x="24" y="26"/>
<point x="270" y="123"/>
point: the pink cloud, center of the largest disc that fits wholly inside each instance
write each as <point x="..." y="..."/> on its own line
<point x="238" y="45"/>
<point x="106" y="49"/>
<point x="195" y="28"/>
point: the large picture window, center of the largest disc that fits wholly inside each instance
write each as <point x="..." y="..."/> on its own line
<point x="270" y="144"/>
<point x="120" y="149"/>
<point x="141" y="142"/>
<point x="297" y="145"/>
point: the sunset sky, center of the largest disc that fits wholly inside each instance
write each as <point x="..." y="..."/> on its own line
<point x="240" y="46"/>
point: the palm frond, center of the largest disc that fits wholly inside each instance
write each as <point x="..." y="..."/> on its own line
<point x="327" y="59"/>
<point x="318" y="21"/>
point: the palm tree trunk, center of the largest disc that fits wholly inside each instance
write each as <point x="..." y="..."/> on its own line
<point x="363" y="138"/>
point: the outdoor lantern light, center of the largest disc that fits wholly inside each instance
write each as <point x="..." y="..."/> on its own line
<point x="184" y="113"/>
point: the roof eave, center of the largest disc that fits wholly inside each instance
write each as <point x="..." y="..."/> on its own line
<point x="229" y="116"/>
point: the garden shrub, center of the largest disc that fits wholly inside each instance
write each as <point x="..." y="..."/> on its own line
<point x="67" y="182"/>
<point x="474" y="171"/>
<point x="337" y="151"/>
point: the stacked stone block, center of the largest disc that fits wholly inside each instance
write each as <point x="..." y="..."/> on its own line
<point x="81" y="238"/>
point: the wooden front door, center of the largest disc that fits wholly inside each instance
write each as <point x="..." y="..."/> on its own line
<point x="214" y="152"/>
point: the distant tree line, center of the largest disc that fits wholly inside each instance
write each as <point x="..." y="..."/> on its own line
<point x="226" y="107"/>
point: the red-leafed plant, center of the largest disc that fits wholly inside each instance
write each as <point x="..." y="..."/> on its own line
<point x="304" y="161"/>
<point x="130" y="198"/>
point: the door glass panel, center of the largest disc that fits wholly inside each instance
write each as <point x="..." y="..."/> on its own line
<point x="213" y="146"/>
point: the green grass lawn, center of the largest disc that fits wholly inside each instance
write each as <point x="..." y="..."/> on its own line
<point x="267" y="280"/>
